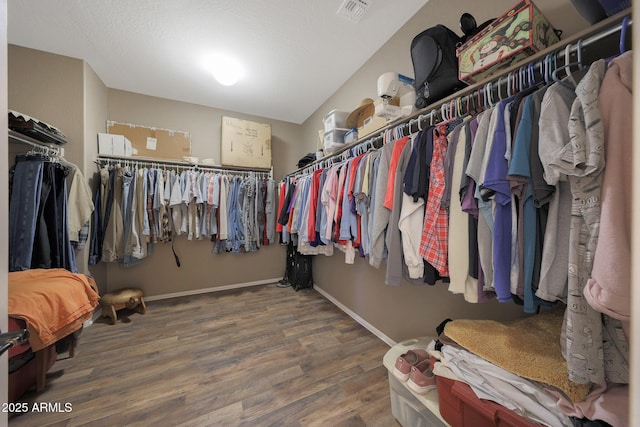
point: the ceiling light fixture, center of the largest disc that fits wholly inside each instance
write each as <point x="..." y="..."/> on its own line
<point x="225" y="69"/>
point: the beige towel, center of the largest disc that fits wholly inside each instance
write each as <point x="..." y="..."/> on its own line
<point x="529" y="347"/>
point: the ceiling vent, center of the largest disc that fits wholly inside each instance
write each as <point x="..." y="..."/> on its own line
<point x="354" y="9"/>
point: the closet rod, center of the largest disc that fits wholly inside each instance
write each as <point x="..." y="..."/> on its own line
<point x="23" y="139"/>
<point x="106" y="159"/>
<point x="589" y="36"/>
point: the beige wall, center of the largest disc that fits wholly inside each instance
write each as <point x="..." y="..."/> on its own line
<point x="67" y="93"/>
<point x="50" y="87"/>
<point x="202" y="122"/>
<point x="395" y="54"/>
<point x="409" y="310"/>
<point x="200" y="268"/>
<point x="96" y="98"/>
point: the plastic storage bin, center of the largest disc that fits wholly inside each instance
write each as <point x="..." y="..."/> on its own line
<point x="334" y="139"/>
<point x="335" y="119"/>
<point x="409" y="408"/>
<point x="351" y="136"/>
<point x="460" y="407"/>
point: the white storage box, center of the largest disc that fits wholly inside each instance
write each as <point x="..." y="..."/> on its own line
<point x="409" y="408"/>
<point x="335" y="119"/>
<point x="114" y="145"/>
<point x="105" y="144"/>
<point x="334" y="139"/>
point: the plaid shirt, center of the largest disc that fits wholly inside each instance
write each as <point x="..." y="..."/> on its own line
<point x="435" y="232"/>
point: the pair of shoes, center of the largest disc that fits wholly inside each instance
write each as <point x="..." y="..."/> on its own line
<point x="406" y="361"/>
<point x="421" y="378"/>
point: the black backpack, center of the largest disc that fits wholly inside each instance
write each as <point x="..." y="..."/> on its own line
<point x="298" y="270"/>
<point x="435" y="64"/>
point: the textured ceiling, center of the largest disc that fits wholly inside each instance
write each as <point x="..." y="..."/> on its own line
<point x="296" y="53"/>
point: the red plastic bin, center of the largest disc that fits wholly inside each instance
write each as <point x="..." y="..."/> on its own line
<point x="460" y="407"/>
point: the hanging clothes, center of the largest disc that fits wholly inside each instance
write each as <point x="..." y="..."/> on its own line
<point x="582" y="161"/>
<point x="609" y="289"/>
<point x="513" y="202"/>
<point x="39" y="233"/>
<point x="143" y="206"/>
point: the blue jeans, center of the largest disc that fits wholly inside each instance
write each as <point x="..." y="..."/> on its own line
<point x="23" y="212"/>
<point x="52" y="246"/>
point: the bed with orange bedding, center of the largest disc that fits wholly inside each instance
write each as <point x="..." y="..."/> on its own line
<point x="51" y="304"/>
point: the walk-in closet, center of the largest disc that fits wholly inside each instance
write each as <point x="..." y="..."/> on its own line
<point x="184" y="251"/>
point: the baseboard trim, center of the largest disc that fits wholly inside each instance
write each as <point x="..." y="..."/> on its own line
<point x="212" y="289"/>
<point x="375" y="331"/>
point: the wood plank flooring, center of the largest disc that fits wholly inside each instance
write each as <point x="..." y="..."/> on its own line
<point x="260" y="356"/>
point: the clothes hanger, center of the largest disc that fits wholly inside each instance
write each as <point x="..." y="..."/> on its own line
<point x="488" y="95"/>
<point x="520" y="80"/>
<point x="622" y="44"/>
<point x="478" y="101"/>
<point x="532" y="75"/>
<point x="454" y="108"/>
<point x="498" y="89"/>
<point x="545" y="68"/>
<point x="513" y="76"/>
<point x="568" y="65"/>
<point x="509" y="86"/>
<point x="418" y="123"/>
<point x="623" y="34"/>
<point x="443" y="112"/>
<point x="567" y="52"/>
<point x="411" y="121"/>
<point x="464" y="103"/>
<point x="476" y="104"/>
<point x="540" y="65"/>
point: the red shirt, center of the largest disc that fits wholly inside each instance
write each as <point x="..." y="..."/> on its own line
<point x="434" y="244"/>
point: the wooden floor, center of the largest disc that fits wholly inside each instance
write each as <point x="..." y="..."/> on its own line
<point x="261" y="356"/>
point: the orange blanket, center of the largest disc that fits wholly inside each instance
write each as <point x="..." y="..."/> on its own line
<point x="52" y="302"/>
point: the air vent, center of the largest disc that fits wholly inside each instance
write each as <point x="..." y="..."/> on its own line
<point x="354" y="9"/>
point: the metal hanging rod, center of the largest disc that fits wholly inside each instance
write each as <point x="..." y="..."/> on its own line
<point x="153" y="162"/>
<point x="44" y="147"/>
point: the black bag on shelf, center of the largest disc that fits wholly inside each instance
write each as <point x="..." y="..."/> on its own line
<point x="307" y="159"/>
<point x="435" y="64"/>
<point x="298" y="273"/>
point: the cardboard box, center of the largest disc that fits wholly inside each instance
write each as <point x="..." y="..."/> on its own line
<point x="520" y="32"/>
<point x="245" y="143"/>
<point x="370" y="125"/>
